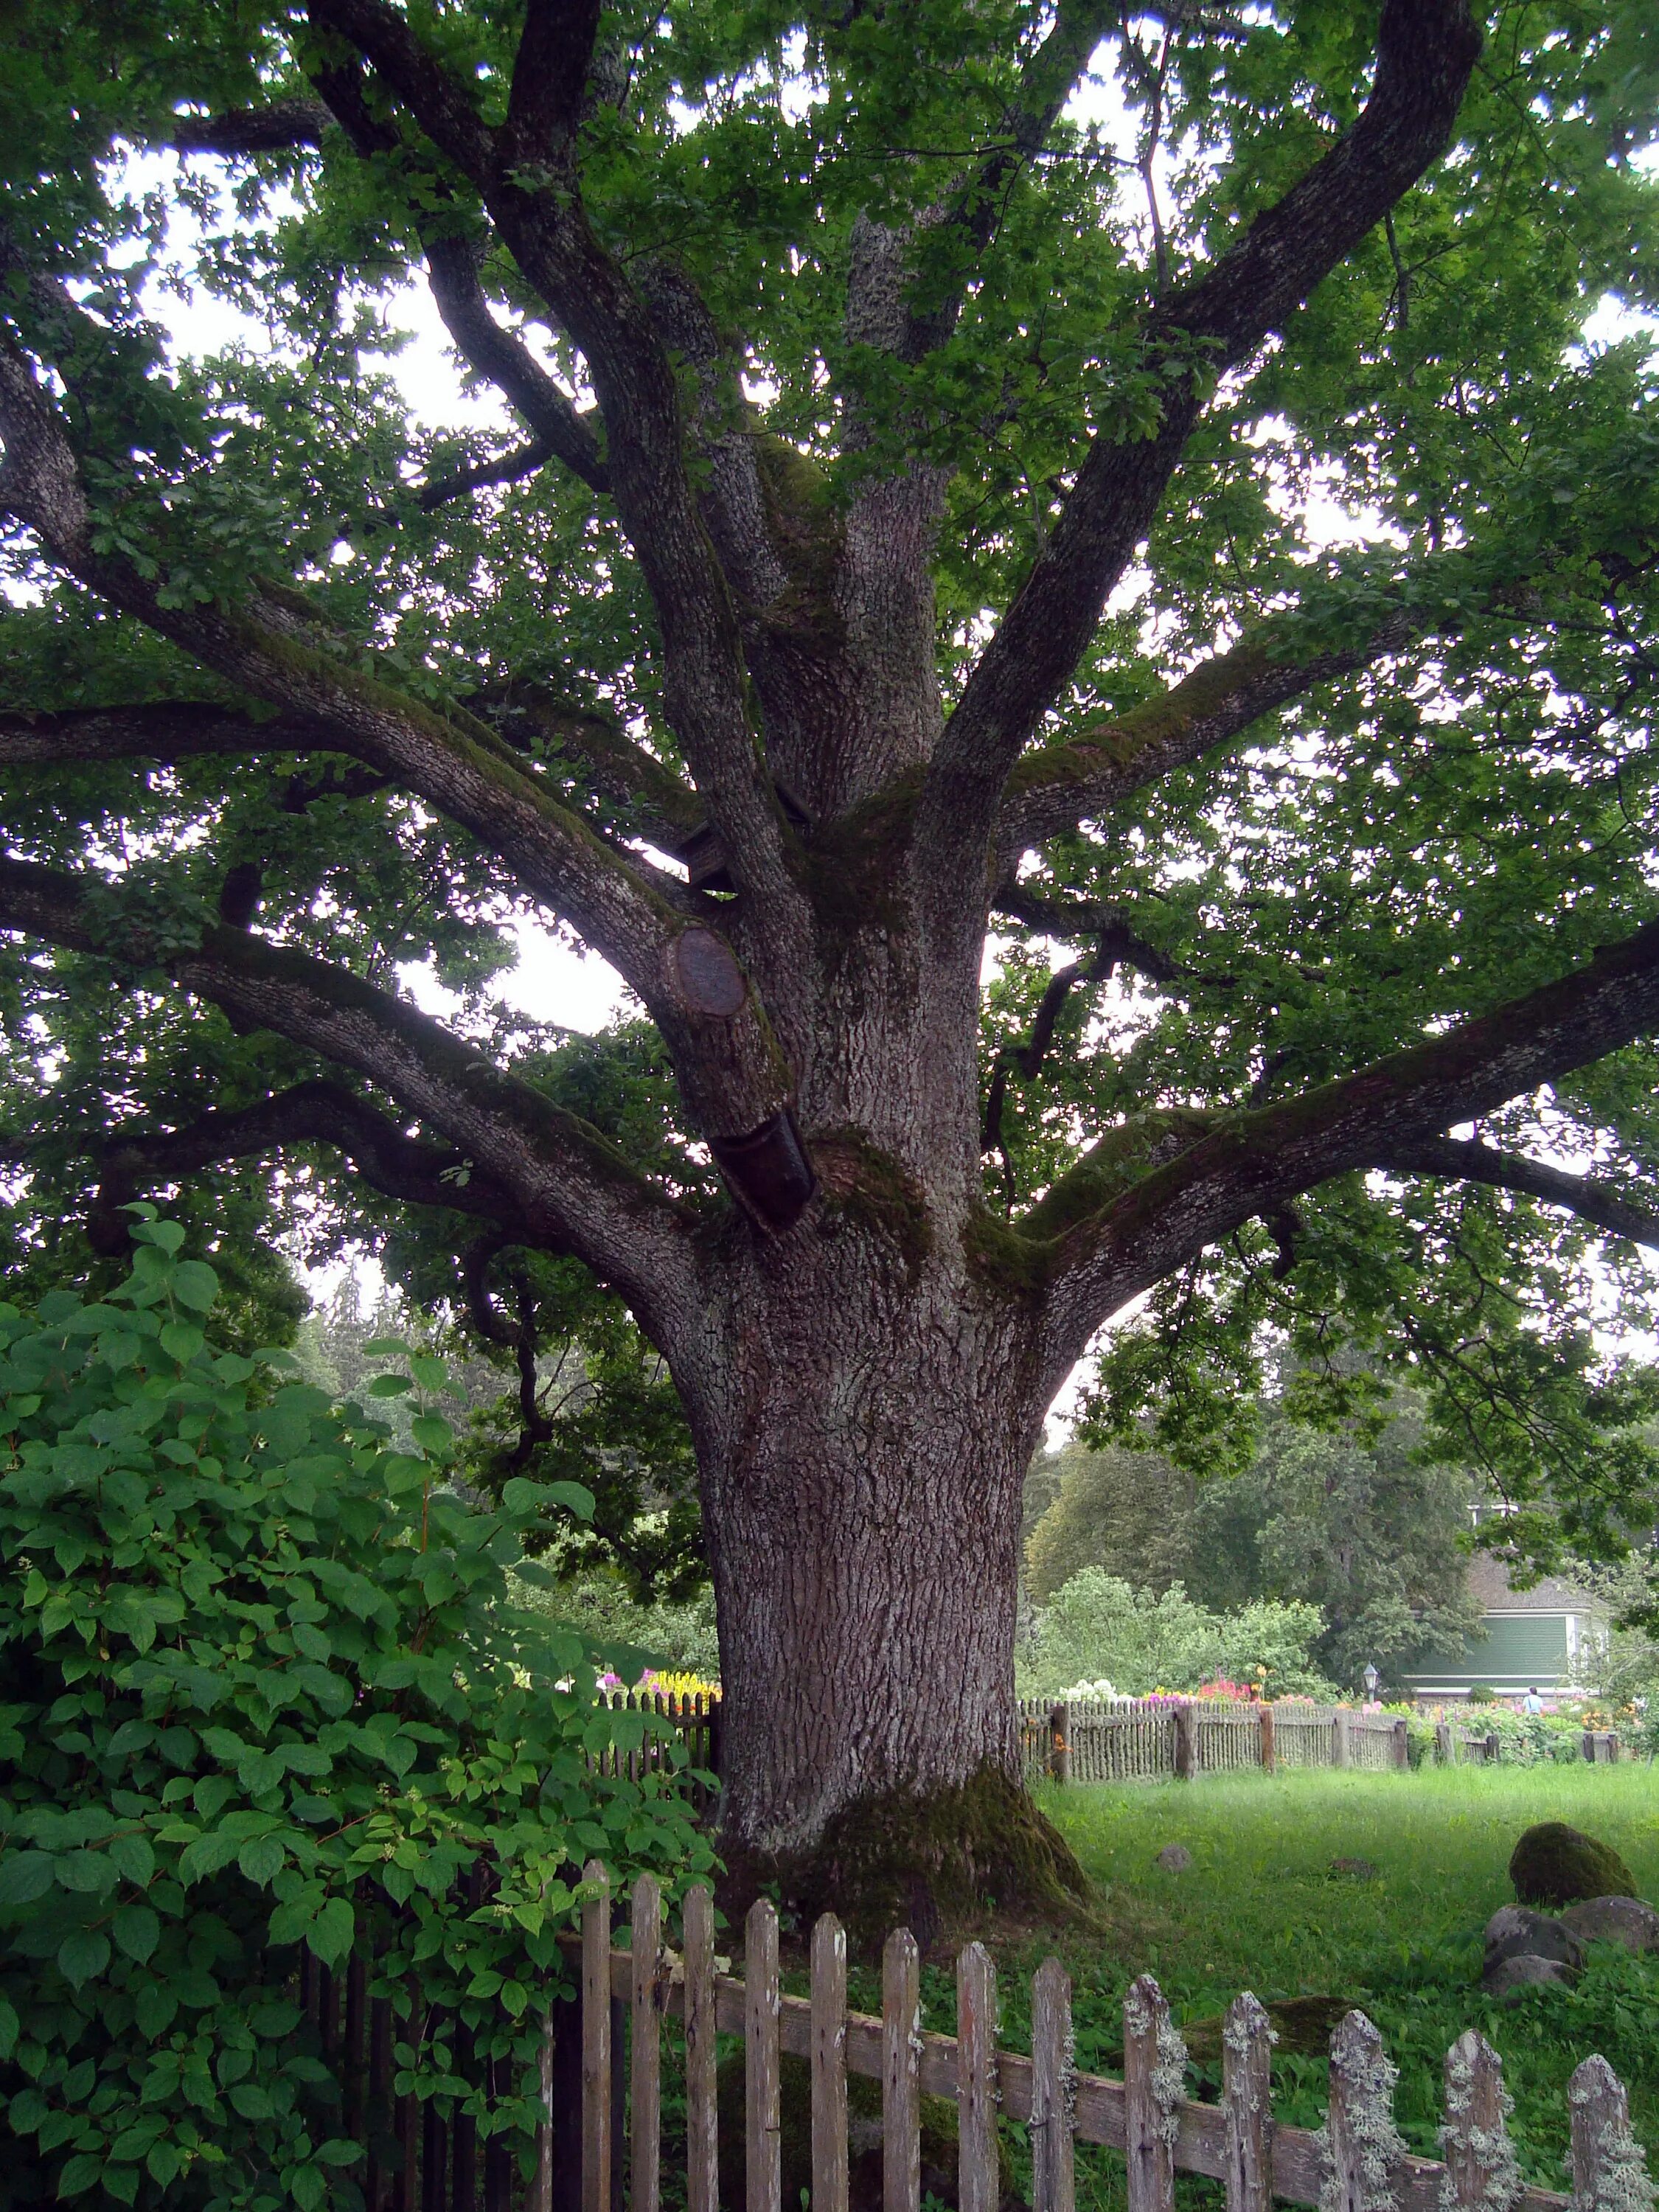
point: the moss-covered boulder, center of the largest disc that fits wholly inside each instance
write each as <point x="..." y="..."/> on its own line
<point x="1554" y="1865"/>
<point x="864" y="2175"/>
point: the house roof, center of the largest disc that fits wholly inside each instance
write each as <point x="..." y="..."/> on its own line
<point x="1490" y="1587"/>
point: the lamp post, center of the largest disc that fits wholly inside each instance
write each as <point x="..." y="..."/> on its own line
<point x="1372" y="1678"/>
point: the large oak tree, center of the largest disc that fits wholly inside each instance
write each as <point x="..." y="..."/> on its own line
<point x="906" y="544"/>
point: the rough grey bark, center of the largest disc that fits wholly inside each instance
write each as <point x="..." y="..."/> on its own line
<point x="864" y="1561"/>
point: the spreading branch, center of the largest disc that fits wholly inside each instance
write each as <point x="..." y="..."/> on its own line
<point x="728" y="1066"/>
<point x="958" y="233"/>
<point x="1466" y="1160"/>
<point x="283" y="127"/>
<point x="544" y="227"/>
<point x="513" y="467"/>
<point x="1116" y="944"/>
<point x="1425" y="51"/>
<point x="503" y="357"/>
<point x="571" y="1189"/>
<point x="549" y="78"/>
<point x="136" y="1159"/>
<point x="1105" y="1234"/>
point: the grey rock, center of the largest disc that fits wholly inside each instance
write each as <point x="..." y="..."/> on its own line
<point x="1516" y="1931"/>
<point x="1624" y="1920"/>
<point x="1510" y="1978"/>
<point x="1175" y="1858"/>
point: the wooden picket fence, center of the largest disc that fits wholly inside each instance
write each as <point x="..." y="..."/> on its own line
<point x="694" y="1717"/>
<point x="1128" y="1740"/>
<point x="1101" y="1740"/>
<point x="1356" y="2162"/>
<point x="1455" y="1745"/>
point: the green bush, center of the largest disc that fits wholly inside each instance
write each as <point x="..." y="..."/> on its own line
<point x="1097" y="1625"/>
<point x="261" y="1689"/>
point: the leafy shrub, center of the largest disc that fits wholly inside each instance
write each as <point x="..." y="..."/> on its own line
<point x="1097" y="1624"/>
<point x="262" y="1689"/>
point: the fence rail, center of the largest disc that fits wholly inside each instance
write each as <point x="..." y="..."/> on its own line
<point x="1124" y="1739"/>
<point x="1358" y="2160"/>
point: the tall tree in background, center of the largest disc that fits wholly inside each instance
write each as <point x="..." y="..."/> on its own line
<point x="905" y="539"/>
<point x="1354" y="1521"/>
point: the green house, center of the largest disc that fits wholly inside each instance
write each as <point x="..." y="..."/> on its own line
<point x="1526" y="1637"/>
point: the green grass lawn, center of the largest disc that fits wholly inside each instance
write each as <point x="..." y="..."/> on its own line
<point x="1261" y="1909"/>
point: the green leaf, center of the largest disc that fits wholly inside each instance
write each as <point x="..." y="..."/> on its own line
<point x="388" y="1386"/>
<point x="431" y="1374"/>
<point x="181" y="1340"/>
<point x="338" y="2152"/>
<point x="135" y="1857"/>
<point x="26" y="1877"/>
<point x="166" y="1235"/>
<point x="164" y="2161"/>
<point x="121" y="2182"/>
<point x="87" y="1874"/>
<point x="195" y="1285"/>
<point x="307" y="2187"/>
<point x="154" y="2009"/>
<point x="262" y="1859"/>
<point x="252" y="2102"/>
<point x="82" y="1956"/>
<point x="385" y="1347"/>
<point x="433" y="1433"/>
<point x="136" y="1929"/>
<point x="79" y="2174"/>
<point x="575" y="1497"/>
<point x="8" y="2031"/>
<point x="329" y="1935"/>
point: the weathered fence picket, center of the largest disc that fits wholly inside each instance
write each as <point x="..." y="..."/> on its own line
<point x="1363" y="2146"/>
<point x="601" y="2088"/>
<point x="596" y="2040"/>
<point x="1481" y="2174"/>
<point x="1609" y="2173"/>
<point x="901" y="2073"/>
<point x="1247" y="2099"/>
<point x="702" y="2125"/>
<point x="1153" y="2060"/>
<point x="1052" y="2177"/>
<point x="829" y="2065"/>
<point x="762" y="2074"/>
<point x="976" y="2082"/>
<point x="645" y="2138"/>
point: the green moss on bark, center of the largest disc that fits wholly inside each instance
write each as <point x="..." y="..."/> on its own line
<point x="869" y="1188"/>
<point x="935" y="1862"/>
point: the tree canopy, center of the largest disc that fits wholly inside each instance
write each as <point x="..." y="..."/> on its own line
<point x="1166" y="492"/>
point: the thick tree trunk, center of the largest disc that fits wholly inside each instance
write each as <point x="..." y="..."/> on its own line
<point x="865" y="1415"/>
<point x="864" y="1549"/>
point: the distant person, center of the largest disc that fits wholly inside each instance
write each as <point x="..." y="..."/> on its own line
<point x="1532" y="1702"/>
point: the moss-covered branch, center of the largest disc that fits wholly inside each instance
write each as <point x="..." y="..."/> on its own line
<point x="1102" y="1236"/>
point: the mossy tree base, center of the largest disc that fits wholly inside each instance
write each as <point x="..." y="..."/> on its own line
<point x="935" y="1863"/>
